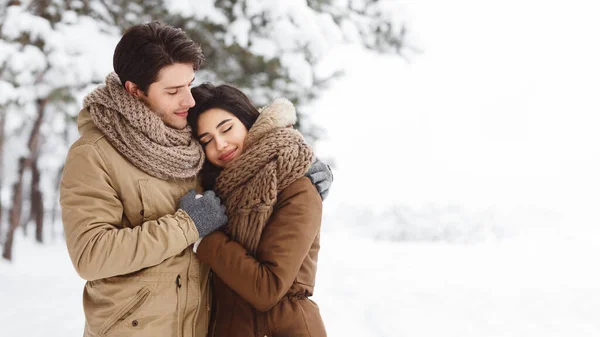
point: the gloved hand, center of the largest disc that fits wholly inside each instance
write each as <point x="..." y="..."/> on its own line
<point x="205" y="209"/>
<point x="321" y="176"/>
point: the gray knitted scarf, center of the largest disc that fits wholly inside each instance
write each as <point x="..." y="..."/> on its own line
<point x="140" y="135"/>
<point x="275" y="156"/>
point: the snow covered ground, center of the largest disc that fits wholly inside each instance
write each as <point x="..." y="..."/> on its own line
<point x="517" y="287"/>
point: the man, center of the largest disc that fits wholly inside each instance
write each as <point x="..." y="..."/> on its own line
<point x="123" y="181"/>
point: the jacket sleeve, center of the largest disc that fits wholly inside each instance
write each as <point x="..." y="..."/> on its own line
<point x="285" y="242"/>
<point x="92" y="215"/>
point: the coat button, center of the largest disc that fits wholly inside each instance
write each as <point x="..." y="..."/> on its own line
<point x="134" y="323"/>
<point x="178" y="281"/>
<point x="142" y="212"/>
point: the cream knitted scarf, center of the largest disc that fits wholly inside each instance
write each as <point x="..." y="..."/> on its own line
<point x="140" y="135"/>
<point x="275" y="155"/>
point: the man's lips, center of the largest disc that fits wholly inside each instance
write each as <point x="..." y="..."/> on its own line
<point x="227" y="155"/>
<point x="182" y="114"/>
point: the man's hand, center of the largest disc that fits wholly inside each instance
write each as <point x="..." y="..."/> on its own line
<point x="321" y="176"/>
<point x="205" y="209"/>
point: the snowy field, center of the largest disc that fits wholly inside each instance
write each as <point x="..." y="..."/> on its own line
<point x="517" y="287"/>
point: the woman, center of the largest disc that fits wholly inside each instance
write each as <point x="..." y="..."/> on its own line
<point x="264" y="262"/>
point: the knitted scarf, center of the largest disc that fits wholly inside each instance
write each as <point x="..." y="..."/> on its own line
<point x="140" y="135"/>
<point x="275" y="155"/>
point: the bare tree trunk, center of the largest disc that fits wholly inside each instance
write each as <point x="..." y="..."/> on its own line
<point x="2" y="123"/>
<point x="24" y="220"/>
<point x="14" y="216"/>
<point x="24" y="163"/>
<point x="56" y="202"/>
<point x="36" y="201"/>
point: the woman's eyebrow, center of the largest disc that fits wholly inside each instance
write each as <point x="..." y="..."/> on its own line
<point x="218" y="125"/>
<point x="223" y="122"/>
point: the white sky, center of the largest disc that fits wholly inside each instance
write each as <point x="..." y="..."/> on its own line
<point x="501" y="108"/>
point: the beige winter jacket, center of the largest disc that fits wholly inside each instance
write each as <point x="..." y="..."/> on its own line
<point x="126" y="237"/>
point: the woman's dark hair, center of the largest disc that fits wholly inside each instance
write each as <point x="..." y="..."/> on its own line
<point x="228" y="98"/>
<point x="146" y="48"/>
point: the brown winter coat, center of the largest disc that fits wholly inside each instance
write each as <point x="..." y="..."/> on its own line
<point x="126" y="237"/>
<point x="267" y="295"/>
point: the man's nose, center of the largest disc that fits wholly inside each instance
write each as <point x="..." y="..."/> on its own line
<point x="188" y="100"/>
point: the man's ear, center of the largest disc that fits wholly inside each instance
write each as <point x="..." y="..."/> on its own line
<point x="133" y="89"/>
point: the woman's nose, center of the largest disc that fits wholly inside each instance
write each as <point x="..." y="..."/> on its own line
<point x="221" y="143"/>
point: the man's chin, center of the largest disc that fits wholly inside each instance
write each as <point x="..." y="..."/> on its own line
<point x="176" y="126"/>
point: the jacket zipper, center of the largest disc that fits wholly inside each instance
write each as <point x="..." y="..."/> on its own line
<point x="179" y="324"/>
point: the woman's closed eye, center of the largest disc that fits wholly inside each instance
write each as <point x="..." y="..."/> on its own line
<point x="205" y="142"/>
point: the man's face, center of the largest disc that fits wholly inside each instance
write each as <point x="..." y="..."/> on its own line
<point x="170" y="97"/>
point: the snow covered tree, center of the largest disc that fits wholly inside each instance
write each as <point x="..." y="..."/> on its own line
<point x="52" y="52"/>
<point x="270" y="48"/>
<point x="44" y="68"/>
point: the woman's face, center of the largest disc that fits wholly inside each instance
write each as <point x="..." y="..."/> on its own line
<point x="222" y="135"/>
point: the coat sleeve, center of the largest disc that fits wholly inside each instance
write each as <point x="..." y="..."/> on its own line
<point x="285" y="242"/>
<point x="92" y="215"/>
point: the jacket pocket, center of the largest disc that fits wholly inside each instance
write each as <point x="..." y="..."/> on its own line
<point x="127" y="310"/>
<point x="147" y="211"/>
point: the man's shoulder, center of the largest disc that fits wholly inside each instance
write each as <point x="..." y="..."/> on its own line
<point x="92" y="143"/>
<point x="92" y="136"/>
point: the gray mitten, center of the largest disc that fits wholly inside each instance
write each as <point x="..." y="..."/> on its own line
<point x="205" y="209"/>
<point x="321" y="176"/>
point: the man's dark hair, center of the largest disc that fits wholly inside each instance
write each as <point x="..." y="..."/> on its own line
<point x="228" y="98"/>
<point x="147" y="48"/>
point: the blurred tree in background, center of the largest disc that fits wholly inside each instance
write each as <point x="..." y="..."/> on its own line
<point x="53" y="52"/>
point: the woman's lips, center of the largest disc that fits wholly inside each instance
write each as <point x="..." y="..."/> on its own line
<point x="227" y="155"/>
